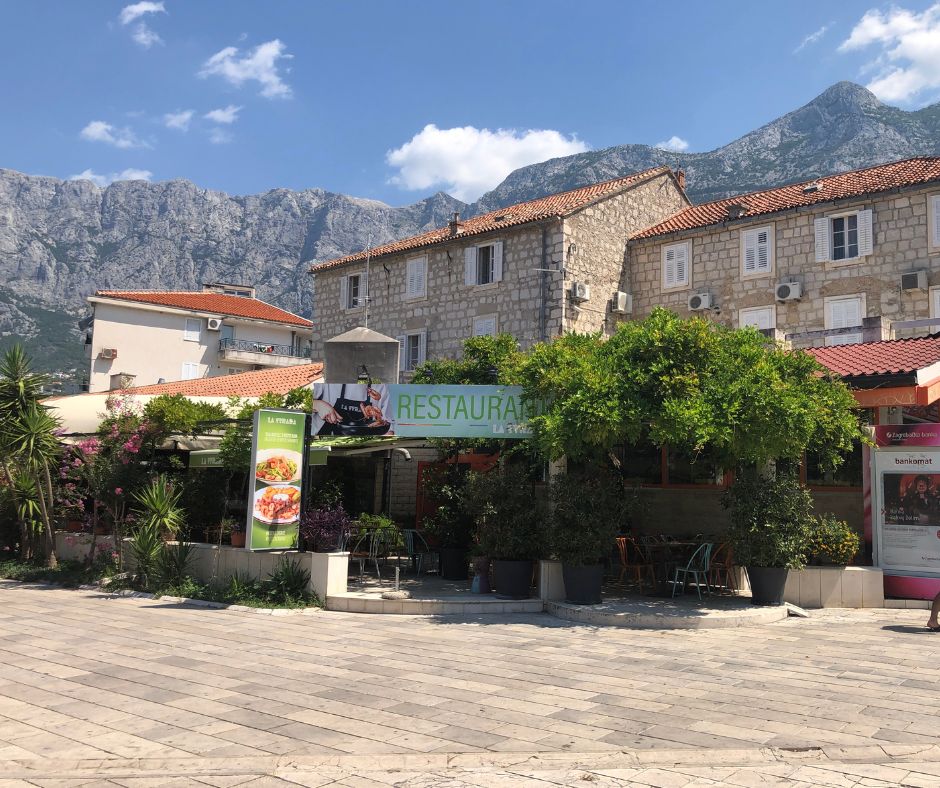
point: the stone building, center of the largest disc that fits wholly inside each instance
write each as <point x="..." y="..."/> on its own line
<point x="534" y="270"/>
<point x="845" y="258"/>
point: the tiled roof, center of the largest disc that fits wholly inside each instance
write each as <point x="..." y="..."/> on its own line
<point x="890" y="357"/>
<point x="217" y="303"/>
<point x="243" y="384"/>
<point x="840" y="186"/>
<point x="553" y="205"/>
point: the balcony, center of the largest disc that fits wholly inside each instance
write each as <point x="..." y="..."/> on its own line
<point x="247" y="351"/>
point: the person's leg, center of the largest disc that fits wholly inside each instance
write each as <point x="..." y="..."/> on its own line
<point x="932" y="622"/>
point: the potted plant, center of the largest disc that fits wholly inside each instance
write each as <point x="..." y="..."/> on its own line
<point x="832" y="542"/>
<point x="451" y="522"/>
<point x="237" y="532"/>
<point x="587" y="514"/>
<point x="771" y="519"/>
<point x="510" y="526"/>
<point x="325" y="528"/>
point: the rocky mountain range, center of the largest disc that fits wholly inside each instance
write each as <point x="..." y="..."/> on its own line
<point x="62" y="240"/>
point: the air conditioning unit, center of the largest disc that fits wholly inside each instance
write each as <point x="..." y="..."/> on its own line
<point x="700" y="301"/>
<point x="108" y="353"/>
<point x="788" y="291"/>
<point x="214" y="323"/>
<point x="622" y="303"/>
<point x="914" y="280"/>
<point x="580" y="291"/>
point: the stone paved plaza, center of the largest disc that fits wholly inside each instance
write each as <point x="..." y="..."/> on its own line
<point x="101" y="690"/>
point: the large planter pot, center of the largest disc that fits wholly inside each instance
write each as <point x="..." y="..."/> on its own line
<point x="583" y="583"/>
<point x="454" y="563"/>
<point x="512" y="579"/>
<point x="767" y="584"/>
<point x="238" y="538"/>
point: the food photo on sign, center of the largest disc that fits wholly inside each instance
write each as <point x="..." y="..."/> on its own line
<point x="351" y="409"/>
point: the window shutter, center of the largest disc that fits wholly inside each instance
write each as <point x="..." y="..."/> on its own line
<point x="764" y="249"/>
<point x="410" y="278"/>
<point x="844" y="313"/>
<point x="402" y="358"/>
<point x="865" y="237"/>
<point x="421" y="276"/>
<point x="363" y="289"/>
<point x="669" y="266"/>
<point x="422" y="347"/>
<point x="498" y="261"/>
<point x="822" y="240"/>
<point x="682" y="264"/>
<point x="470" y="265"/>
<point x="750" y="251"/>
<point x="935" y="218"/>
<point x="344" y="292"/>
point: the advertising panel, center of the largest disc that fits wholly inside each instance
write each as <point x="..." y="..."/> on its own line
<point x="277" y="455"/>
<point x="419" y="411"/>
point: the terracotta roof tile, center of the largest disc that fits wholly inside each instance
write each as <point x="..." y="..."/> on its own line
<point x="840" y="186"/>
<point x="890" y="357"/>
<point x="242" y="384"/>
<point x="553" y="205"/>
<point x="217" y="303"/>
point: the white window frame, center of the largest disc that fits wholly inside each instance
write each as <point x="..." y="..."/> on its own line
<point x="864" y="217"/>
<point x="482" y="319"/>
<point x="771" y="252"/>
<point x="403" y="347"/>
<point x="344" y="293"/>
<point x="190" y="371"/>
<point x="743" y="313"/>
<point x="192" y="334"/>
<point x="678" y="284"/>
<point x="934" y="296"/>
<point x="933" y="220"/>
<point x="416" y="278"/>
<point x="472" y="264"/>
<point x="827" y="317"/>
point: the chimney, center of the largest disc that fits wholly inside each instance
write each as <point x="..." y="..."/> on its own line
<point x="736" y="210"/>
<point x="455" y="224"/>
<point x="680" y="177"/>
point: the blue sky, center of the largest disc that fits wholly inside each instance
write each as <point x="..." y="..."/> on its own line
<point x="397" y="100"/>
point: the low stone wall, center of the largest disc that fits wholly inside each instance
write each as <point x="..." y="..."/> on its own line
<point x="836" y="586"/>
<point x="217" y="563"/>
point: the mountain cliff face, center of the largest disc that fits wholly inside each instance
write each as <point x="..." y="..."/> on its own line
<point x="62" y="240"/>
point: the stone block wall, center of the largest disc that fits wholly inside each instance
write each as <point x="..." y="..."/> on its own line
<point x="902" y="243"/>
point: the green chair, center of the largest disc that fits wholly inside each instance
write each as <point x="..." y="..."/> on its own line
<point x="696" y="569"/>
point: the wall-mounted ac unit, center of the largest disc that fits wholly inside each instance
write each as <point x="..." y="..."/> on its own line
<point x="580" y="291"/>
<point x="108" y="353"/>
<point x="700" y="301"/>
<point x="622" y="303"/>
<point x="214" y="323"/>
<point x="914" y="280"/>
<point x="788" y="291"/>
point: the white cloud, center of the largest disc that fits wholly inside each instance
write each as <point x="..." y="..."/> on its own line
<point x="259" y="64"/>
<point x="907" y="63"/>
<point x="100" y="131"/>
<point x="812" y="38"/>
<point x="131" y="12"/>
<point x="227" y="114"/>
<point x="674" y="144"/>
<point x="103" y="180"/>
<point x="468" y="161"/>
<point x="142" y="34"/>
<point x="220" y="136"/>
<point x="178" y="120"/>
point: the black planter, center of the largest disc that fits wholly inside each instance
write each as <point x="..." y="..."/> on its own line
<point x="512" y="579"/>
<point x="767" y="583"/>
<point x="454" y="563"/>
<point x="583" y="583"/>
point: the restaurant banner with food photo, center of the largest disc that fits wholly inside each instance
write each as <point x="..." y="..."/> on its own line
<point x="277" y="451"/>
<point x="419" y="411"/>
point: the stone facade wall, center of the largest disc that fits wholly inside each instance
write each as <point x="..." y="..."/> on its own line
<point x="901" y="243"/>
<point x="599" y="234"/>
<point x="448" y="311"/>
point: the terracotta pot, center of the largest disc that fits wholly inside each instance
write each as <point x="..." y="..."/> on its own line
<point x="74" y="526"/>
<point x="238" y="538"/>
<point x="102" y="530"/>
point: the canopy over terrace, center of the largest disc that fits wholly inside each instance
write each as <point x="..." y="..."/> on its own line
<point x="891" y="373"/>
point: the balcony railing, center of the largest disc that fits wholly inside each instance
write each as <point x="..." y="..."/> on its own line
<point x="267" y="348"/>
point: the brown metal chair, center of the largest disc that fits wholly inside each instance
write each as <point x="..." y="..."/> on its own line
<point x="634" y="559"/>
<point x="721" y="569"/>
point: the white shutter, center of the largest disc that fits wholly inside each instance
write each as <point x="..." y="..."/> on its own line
<point x="470" y="265"/>
<point x="844" y="313"/>
<point x="761" y="318"/>
<point x="422" y="347"/>
<point x="363" y="289"/>
<point x="935" y="218"/>
<point x="865" y="237"/>
<point x="764" y="249"/>
<point x="682" y="264"/>
<point x="498" y="261"/>
<point x="669" y="266"/>
<point x="192" y="329"/>
<point x="484" y="326"/>
<point x="402" y="350"/>
<point x="750" y="251"/>
<point x="344" y="292"/>
<point x="421" y="276"/>
<point x="822" y="240"/>
<point x="190" y="371"/>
